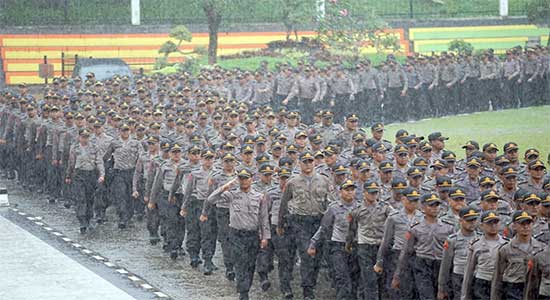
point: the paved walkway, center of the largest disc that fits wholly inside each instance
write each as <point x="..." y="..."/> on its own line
<point x="32" y="269"/>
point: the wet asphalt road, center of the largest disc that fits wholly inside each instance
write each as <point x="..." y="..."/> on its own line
<point x="130" y="249"/>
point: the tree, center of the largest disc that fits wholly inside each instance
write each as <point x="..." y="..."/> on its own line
<point x="179" y="33"/>
<point x="295" y="13"/>
<point x="345" y="28"/>
<point x="213" y="10"/>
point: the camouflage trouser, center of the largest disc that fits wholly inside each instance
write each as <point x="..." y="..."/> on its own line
<point x="246" y="243"/>
<point x="84" y="187"/>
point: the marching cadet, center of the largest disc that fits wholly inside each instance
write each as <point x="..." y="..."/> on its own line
<point x="125" y="152"/>
<point x="169" y="207"/>
<point x="514" y="259"/>
<point x="395" y="228"/>
<point x="366" y="227"/>
<point x="470" y="182"/>
<point x="343" y="92"/>
<point x="541" y="229"/>
<point x="425" y="240"/>
<point x="284" y="81"/>
<point x="455" y="251"/>
<point x="101" y="198"/>
<point x="535" y="179"/>
<point x="153" y="217"/>
<point x="221" y="214"/>
<point x="304" y="201"/>
<point x="265" y="256"/>
<point x="307" y="89"/>
<point x="508" y="186"/>
<point x="480" y="263"/>
<point x="457" y="201"/>
<point x="142" y="168"/>
<point x="200" y="235"/>
<point x="249" y="225"/>
<point x="538" y="277"/>
<point x="283" y="246"/>
<point x="84" y="169"/>
<point x="334" y="228"/>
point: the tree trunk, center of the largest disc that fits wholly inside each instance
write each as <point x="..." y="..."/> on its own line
<point x="214" y="19"/>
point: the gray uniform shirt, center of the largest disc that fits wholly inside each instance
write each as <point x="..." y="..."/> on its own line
<point x="455" y="253"/>
<point x="337" y="219"/>
<point x="247" y="210"/>
<point x="367" y="222"/>
<point x="480" y="262"/>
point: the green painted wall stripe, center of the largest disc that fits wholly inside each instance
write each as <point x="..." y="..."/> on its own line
<point x="435" y="35"/>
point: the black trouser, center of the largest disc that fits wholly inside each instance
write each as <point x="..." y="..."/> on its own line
<point x="390" y="264"/>
<point x="306" y="106"/>
<point x="222" y="217"/>
<point x="426" y="272"/>
<point x="193" y="226"/>
<point x="84" y="183"/>
<point x="445" y="102"/>
<point x="265" y="258"/>
<point x="121" y="190"/>
<point x="276" y="103"/>
<point x="247" y="244"/>
<point x="172" y="222"/>
<point x="53" y="178"/>
<point x="512" y="291"/>
<point x="456" y="285"/>
<point x="139" y="205"/>
<point x="209" y="234"/>
<point x="413" y="105"/>
<point x="285" y="249"/>
<point x="393" y="105"/>
<point x="481" y="289"/>
<point x="153" y="223"/>
<point x="371" y="280"/>
<point x="346" y="271"/>
<point x="341" y="106"/>
<point x="371" y="105"/>
<point x="301" y="229"/>
<point x="510" y="93"/>
<point x="102" y="199"/>
<point x="531" y="95"/>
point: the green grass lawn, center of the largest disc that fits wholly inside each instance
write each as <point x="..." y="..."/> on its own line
<point x="529" y="127"/>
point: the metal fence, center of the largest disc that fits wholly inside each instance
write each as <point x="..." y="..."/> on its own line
<point x="116" y="12"/>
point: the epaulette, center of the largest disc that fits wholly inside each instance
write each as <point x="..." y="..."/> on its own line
<point x="453" y="235"/>
<point x="415" y="224"/>
<point x="394" y="212"/>
<point x="473" y="241"/>
<point x="538" y="251"/>
<point x="447" y="222"/>
<point x="536" y="236"/>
